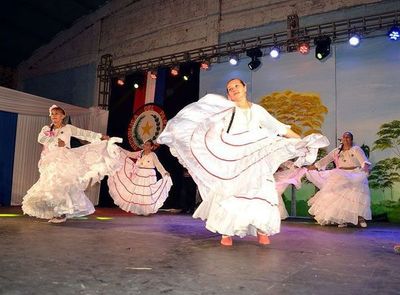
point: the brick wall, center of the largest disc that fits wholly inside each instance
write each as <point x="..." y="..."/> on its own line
<point x="133" y="30"/>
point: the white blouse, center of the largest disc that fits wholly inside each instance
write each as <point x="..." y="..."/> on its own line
<point x="50" y="138"/>
<point x="253" y="118"/>
<point x="147" y="161"/>
<point x="354" y="157"/>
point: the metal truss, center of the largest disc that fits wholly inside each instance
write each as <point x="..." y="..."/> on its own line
<point x="338" y="31"/>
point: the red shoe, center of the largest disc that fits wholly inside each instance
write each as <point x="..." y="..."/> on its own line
<point x="263" y="239"/>
<point x="226" y="241"/>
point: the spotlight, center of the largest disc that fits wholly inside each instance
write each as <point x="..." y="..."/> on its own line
<point x="136" y="85"/>
<point x="205" y="65"/>
<point x="153" y="74"/>
<point x="274" y="53"/>
<point x="322" y="47"/>
<point x="233" y="59"/>
<point x="186" y="77"/>
<point x="394" y="33"/>
<point x="354" y="39"/>
<point x="254" y="54"/>
<point x="121" y="81"/>
<point x="175" y="71"/>
<point x="304" y="47"/>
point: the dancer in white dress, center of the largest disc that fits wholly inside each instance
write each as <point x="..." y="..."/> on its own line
<point x="231" y="148"/>
<point x="344" y="195"/>
<point x="287" y="174"/>
<point x="135" y="188"/>
<point x="65" y="173"/>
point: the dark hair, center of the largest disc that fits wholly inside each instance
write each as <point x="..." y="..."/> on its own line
<point x="349" y="133"/>
<point x="241" y="81"/>
<point x="341" y="146"/>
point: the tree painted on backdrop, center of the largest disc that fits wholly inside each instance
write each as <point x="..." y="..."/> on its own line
<point x="304" y="111"/>
<point x="386" y="172"/>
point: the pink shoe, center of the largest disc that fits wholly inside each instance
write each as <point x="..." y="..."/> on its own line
<point x="226" y="241"/>
<point x="263" y="239"/>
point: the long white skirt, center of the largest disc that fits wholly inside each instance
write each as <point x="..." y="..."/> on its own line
<point x="284" y="178"/>
<point x="344" y="195"/>
<point x="135" y="189"/>
<point x="65" y="174"/>
<point x="234" y="172"/>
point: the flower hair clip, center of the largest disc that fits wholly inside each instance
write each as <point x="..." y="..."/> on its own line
<point x="51" y="108"/>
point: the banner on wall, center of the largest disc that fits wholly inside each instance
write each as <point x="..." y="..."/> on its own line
<point x="146" y="124"/>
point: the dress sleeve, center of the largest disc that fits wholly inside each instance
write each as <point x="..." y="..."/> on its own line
<point x="46" y="136"/>
<point x="321" y="164"/>
<point x="270" y="122"/>
<point x="159" y="166"/>
<point x="84" y="134"/>
<point x="361" y="157"/>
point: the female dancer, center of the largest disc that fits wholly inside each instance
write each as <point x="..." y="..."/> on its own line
<point x="232" y="148"/>
<point x="65" y="173"/>
<point x="344" y="195"/>
<point x="135" y="188"/>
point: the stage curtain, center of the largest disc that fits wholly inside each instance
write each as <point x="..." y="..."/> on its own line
<point x="8" y="125"/>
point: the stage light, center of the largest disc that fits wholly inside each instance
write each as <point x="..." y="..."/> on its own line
<point x="254" y="54"/>
<point x="185" y="77"/>
<point x="322" y="47"/>
<point x="274" y="53"/>
<point x="304" y="47"/>
<point x="121" y="81"/>
<point x="175" y="71"/>
<point x="136" y="85"/>
<point x="153" y="74"/>
<point x="394" y="33"/>
<point x="233" y="59"/>
<point x="354" y="39"/>
<point x="205" y="65"/>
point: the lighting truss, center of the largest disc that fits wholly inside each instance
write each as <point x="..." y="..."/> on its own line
<point x="369" y="26"/>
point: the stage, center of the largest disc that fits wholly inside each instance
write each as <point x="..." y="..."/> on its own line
<point x="112" y="252"/>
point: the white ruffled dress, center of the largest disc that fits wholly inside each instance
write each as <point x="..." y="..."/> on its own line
<point x="234" y="171"/>
<point x="344" y="194"/>
<point x="66" y="172"/>
<point x="135" y="188"/>
<point x="287" y="175"/>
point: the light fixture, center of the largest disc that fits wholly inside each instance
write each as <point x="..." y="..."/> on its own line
<point x="233" y="59"/>
<point x="394" y="33"/>
<point x="175" y="70"/>
<point x="205" y="65"/>
<point x="254" y="54"/>
<point x="354" y="39"/>
<point x="274" y="53"/>
<point x="121" y="81"/>
<point x="322" y="47"/>
<point x="136" y="85"/>
<point x="153" y="74"/>
<point x="304" y="47"/>
<point x="185" y="77"/>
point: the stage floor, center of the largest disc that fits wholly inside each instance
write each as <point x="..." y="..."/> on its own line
<point x="112" y="252"/>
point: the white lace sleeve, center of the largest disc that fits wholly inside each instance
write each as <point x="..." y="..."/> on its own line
<point x="46" y="136"/>
<point x="159" y="166"/>
<point x="84" y="134"/>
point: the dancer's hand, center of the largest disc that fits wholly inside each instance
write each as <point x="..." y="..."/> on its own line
<point x="61" y="143"/>
<point x="105" y="137"/>
<point x="311" y="167"/>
